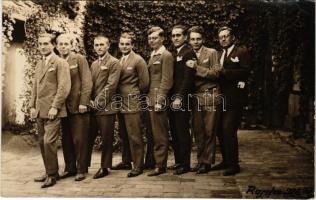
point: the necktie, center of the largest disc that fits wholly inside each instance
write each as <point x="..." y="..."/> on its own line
<point x="123" y="60"/>
<point x="223" y="56"/>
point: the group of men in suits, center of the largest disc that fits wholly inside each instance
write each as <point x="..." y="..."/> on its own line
<point x="192" y="83"/>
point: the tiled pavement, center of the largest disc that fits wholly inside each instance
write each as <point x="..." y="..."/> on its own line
<point x="270" y="169"/>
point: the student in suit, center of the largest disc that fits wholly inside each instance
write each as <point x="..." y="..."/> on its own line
<point x="206" y="108"/>
<point x="161" y="78"/>
<point x="180" y="111"/>
<point x="75" y="127"/>
<point x="134" y="81"/>
<point x="51" y="87"/>
<point x="105" y="72"/>
<point x="233" y="76"/>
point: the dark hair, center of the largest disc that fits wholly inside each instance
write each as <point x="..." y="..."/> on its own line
<point x="196" y="29"/>
<point x="161" y="32"/>
<point x="184" y="28"/>
<point x="52" y="37"/>
<point x="223" y="28"/>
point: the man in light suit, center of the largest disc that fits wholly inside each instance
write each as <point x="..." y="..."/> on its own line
<point x="206" y="99"/>
<point x="233" y="77"/>
<point x="105" y="72"/>
<point x="183" y="87"/>
<point x="161" y="79"/>
<point x="75" y="127"/>
<point x="51" y="87"/>
<point x="134" y="81"/>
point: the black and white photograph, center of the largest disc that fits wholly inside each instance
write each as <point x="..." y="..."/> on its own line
<point x="158" y="99"/>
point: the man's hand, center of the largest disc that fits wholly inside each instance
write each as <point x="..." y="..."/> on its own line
<point x="33" y="113"/>
<point x="191" y="64"/>
<point x="92" y="104"/>
<point x="176" y="104"/>
<point x="83" y="108"/>
<point x="52" y="113"/>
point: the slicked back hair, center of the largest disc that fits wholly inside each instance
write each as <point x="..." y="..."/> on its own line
<point x="196" y="29"/>
<point x="161" y="32"/>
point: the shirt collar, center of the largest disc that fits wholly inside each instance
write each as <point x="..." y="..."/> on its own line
<point x="126" y="56"/>
<point x="179" y="49"/>
<point x="198" y="51"/>
<point x="47" y="58"/>
<point x="230" y="49"/>
<point x="102" y="58"/>
<point x="159" y="51"/>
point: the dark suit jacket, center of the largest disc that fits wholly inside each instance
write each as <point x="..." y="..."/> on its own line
<point x="183" y="76"/>
<point x="236" y="68"/>
<point x="105" y="78"/>
<point x="51" y="87"/>
<point x="134" y="81"/>
<point x="81" y="82"/>
<point x="161" y="76"/>
<point x="207" y="76"/>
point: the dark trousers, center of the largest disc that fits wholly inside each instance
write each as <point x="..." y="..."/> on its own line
<point x="227" y="135"/>
<point x="181" y="139"/>
<point x="104" y="123"/>
<point x="48" y="132"/>
<point x="149" y="158"/>
<point x="75" y="129"/>
<point x="205" y="123"/>
<point x="159" y="123"/>
<point x="132" y="140"/>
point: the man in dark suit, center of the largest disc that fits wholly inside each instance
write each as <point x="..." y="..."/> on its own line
<point x="233" y="77"/>
<point x="51" y="87"/>
<point x="134" y="81"/>
<point x="183" y="86"/>
<point x="161" y="78"/>
<point x="206" y="99"/>
<point x="105" y="72"/>
<point x="75" y="126"/>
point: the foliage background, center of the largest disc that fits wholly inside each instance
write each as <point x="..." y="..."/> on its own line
<point x="284" y="31"/>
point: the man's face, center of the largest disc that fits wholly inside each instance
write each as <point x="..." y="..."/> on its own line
<point x="225" y="38"/>
<point x="154" y="40"/>
<point x="196" y="40"/>
<point x="125" y="45"/>
<point x="45" y="46"/>
<point x="101" y="46"/>
<point x="64" y="46"/>
<point x="177" y="37"/>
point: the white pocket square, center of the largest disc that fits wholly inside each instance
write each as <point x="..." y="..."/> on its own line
<point x="179" y="58"/>
<point x="205" y="61"/>
<point x="236" y="59"/>
<point x="73" y="66"/>
<point x="156" y="63"/>
<point x="104" y="67"/>
<point x="129" y="68"/>
<point x="51" y="69"/>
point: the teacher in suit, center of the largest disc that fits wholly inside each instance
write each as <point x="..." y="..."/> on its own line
<point x="75" y="127"/>
<point x="51" y="87"/>
<point x="160" y="67"/>
<point x="105" y="72"/>
<point x="182" y="88"/>
<point x="206" y="108"/>
<point x="233" y="77"/>
<point x="134" y="81"/>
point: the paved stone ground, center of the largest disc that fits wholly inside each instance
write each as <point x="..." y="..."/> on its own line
<point x="270" y="169"/>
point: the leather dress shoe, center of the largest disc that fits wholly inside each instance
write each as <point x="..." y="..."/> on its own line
<point x="49" y="182"/>
<point x="66" y="174"/>
<point x="219" y="166"/>
<point x="204" y="168"/>
<point x="195" y="168"/>
<point x="40" y="178"/>
<point x="231" y="171"/>
<point x="181" y="170"/>
<point x="173" y="167"/>
<point x="135" y="172"/>
<point x="122" y="166"/>
<point x="157" y="171"/>
<point x="80" y="177"/>
<point x="102" y="172"/>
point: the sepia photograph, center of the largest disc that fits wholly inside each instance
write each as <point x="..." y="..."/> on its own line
<point x="158" y="99"/>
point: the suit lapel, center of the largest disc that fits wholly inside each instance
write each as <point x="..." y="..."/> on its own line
<point x="129" y="60"/>
<point x="71" y="59"/>
<point x="202" y="55"/>
<point x="45" y="68"/>
<point x="103" y="63"/>
<point x="154" y="59"/>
